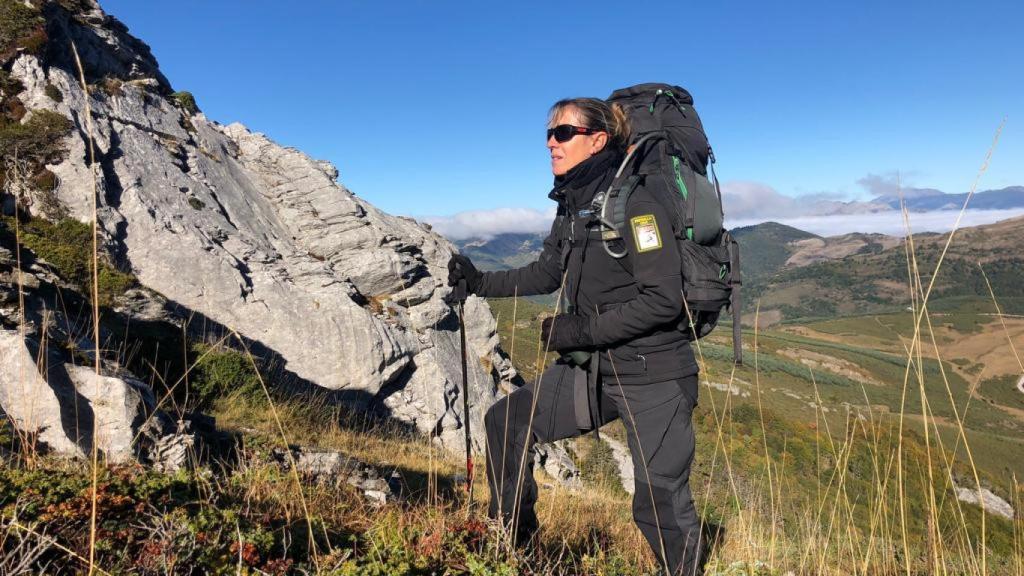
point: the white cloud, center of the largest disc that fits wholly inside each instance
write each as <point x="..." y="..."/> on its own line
<point x="487" y="223"/>
<point x="893" y="185"/>
<point x="890" y="222"/>
<point x="749" y="200"/>
<point x="881" y="184"/>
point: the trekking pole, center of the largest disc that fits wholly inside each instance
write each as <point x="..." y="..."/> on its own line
<point x="461" y="294"/>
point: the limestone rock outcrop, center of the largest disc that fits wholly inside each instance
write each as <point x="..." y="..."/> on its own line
<point x="259" y="238"/>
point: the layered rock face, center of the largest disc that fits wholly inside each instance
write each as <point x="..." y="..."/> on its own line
<point x="261" y="239"/>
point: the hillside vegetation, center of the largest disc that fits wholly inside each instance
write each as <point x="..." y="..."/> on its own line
<point x="877" y="281"/>
<point x="765" y="248"/>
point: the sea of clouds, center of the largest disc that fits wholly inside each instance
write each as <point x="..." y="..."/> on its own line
<point x="889" y="222"/>
<point x="486" y="224"/>
<point x="748" y="203"/>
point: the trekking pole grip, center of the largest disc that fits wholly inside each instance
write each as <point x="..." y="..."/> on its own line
<point x="461" y="291"/>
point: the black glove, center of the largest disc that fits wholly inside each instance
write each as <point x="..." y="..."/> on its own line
<point x="461" y="268"/>
<point x="566" y="332"/>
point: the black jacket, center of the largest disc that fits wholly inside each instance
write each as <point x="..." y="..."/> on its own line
<point x="634" y="304"/>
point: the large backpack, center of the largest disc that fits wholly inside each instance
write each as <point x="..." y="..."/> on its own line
<point x="669" y="144"/>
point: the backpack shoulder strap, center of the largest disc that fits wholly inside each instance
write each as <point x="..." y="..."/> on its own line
<point x="610" y="206"/>
<point x="619" y="200"/>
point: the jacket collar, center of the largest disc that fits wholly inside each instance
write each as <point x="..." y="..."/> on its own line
<point x="576" y="188"/>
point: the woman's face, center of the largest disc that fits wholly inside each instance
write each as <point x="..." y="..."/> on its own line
<point x="566" y="155"/>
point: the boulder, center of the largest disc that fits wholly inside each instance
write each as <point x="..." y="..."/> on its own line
<point x="554" y="459"/>
<point x="67" y="408"/>
<point x="331" y="466"/>
<point x="174" y="452"/>
<point x="985" y="498"/>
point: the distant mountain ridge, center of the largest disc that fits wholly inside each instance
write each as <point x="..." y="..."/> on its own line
<point x="503" y="251"/>
<point x="766" y="248"/>
<point x="795" y="274"/>
<point x="924" y="200"/>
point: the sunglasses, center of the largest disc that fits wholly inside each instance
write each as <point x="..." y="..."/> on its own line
<point x="565" y="132"/>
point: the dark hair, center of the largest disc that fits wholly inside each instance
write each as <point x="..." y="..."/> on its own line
<point x="597" y="114"/>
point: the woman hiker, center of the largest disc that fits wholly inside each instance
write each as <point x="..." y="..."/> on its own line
<point x="623" y="352"/>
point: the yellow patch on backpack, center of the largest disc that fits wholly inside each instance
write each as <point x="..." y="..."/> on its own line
<point x="645" y="232"/>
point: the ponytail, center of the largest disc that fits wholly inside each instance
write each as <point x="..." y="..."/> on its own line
<point x="621" y="130"/>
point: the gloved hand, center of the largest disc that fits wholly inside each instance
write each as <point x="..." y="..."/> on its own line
<point x="461" y="268"/>
<point x="566" y="332"/>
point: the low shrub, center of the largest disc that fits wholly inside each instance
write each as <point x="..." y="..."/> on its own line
<point x="112" y="86"/>
<point x="147" y="522"/>
<point x="186" y="101"/>
<point x="218" y="372"/>
<point x="21" y="28"/>
<point x="54" y="93"/>
<point x="598" y="466"/>
<point x="39" y="139"/>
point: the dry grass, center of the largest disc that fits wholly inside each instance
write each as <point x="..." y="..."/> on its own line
<point x="94" y="200"/>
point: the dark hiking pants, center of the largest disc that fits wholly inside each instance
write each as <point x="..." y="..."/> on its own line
<point x="656" y="414"/>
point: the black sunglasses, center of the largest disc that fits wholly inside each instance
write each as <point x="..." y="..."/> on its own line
<point x="565" y="132"/>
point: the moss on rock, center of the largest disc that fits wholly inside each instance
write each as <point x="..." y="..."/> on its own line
<point x="53" y="93"/>
<point x="67" y="247"/>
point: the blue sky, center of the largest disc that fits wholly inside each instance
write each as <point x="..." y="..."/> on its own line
<point x="434" y="108"/>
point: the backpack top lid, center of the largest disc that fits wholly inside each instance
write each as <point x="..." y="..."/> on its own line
<point x="648" y="89"/>
<point x="654" y="107"/>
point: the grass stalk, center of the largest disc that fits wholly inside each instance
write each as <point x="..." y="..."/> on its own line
<point x="95" y="303"/>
